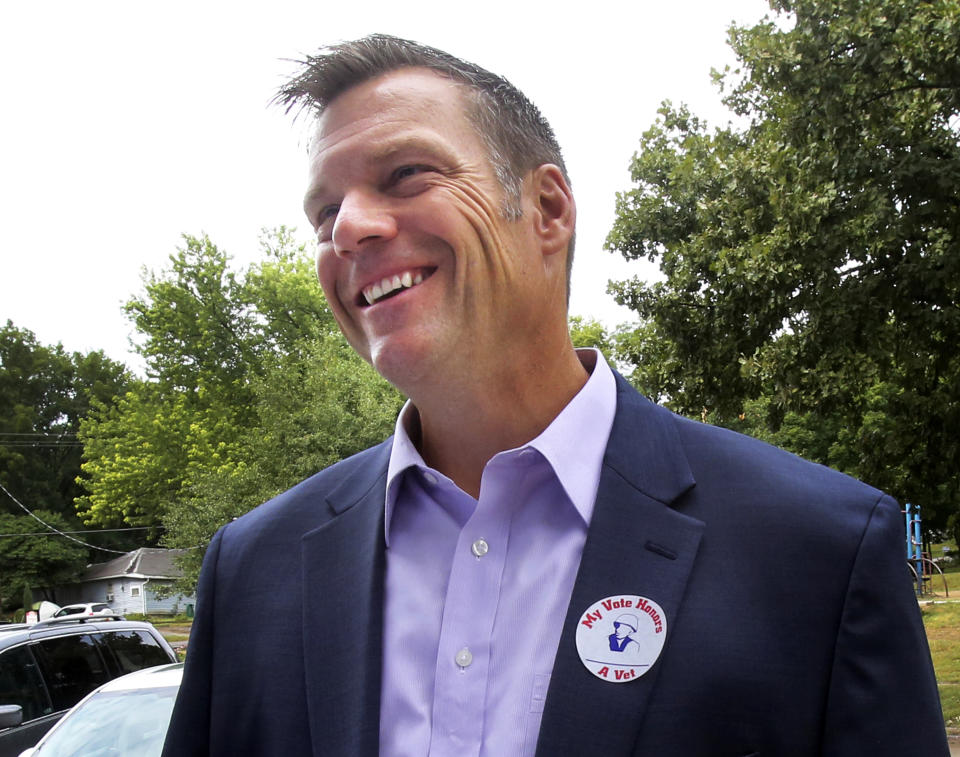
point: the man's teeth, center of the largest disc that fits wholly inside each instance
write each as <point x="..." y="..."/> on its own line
<point x="388" y="285"/>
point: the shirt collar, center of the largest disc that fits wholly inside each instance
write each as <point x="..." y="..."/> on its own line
<point x="574" y="443"/>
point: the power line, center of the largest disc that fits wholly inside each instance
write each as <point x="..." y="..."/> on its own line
<point x="85" y="531"/>
<point x="39" y="439"/>
<point x="40" y="443"/>
<point x="38" y="433"/>
<point x="56" y="530"/>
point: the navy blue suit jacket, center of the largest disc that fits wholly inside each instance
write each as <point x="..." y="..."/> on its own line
<point x="792" y="626"/>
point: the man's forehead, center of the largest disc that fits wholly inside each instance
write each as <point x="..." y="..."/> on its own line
<point x="326" y="136"/>
<point x="372" y="139"/>
<point x="407" y="94"/>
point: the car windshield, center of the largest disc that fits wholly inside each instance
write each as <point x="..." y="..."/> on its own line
<point x="116" y="723"/>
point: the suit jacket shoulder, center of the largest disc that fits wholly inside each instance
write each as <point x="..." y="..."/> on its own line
<point x="311" y="503"/>
<point x="284" y="655"/>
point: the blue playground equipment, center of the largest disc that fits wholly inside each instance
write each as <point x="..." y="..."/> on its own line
<point x="921" y="566"/>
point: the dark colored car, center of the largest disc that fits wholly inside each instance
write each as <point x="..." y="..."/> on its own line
<point x="48" y="667"/>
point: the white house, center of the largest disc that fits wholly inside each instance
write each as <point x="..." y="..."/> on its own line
<point x="128" y="584"/>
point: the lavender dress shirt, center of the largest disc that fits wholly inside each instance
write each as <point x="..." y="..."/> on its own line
<point x="477" y="590"/>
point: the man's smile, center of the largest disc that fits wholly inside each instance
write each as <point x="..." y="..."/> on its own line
<point x="392" y="285"/>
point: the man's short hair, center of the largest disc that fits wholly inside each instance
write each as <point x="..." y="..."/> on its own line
<point x="515" y="134"/>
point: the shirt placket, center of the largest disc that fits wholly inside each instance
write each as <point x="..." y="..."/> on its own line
<point x="470" y="607"/>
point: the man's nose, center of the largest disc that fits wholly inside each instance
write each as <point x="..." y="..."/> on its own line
<point x="362" y="219"/>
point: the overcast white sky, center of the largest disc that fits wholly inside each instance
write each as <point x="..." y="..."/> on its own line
<point x="126" y="124"/>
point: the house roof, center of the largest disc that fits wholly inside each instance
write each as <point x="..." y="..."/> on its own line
<point x="141" y="563"/>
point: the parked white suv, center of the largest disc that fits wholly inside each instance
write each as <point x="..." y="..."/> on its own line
<point x="88" y="609"/>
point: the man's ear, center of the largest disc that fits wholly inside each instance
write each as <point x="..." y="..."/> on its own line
<point x="554" y="209"/>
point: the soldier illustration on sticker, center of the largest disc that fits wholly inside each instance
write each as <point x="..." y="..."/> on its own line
<point x="621" y="639"/>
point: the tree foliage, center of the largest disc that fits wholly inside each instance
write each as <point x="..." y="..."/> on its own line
<point x="810" y="253"/>
<point x="44" y="392"/>
<point x="250" y="389"/>
<point x="201" y="343"/>
<point x="314" y="407"/>
<point x="588" y="332"/>
<point x="37" y="559"/>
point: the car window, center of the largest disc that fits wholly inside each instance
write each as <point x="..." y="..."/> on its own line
<point x="114" y="723"/>
<point x="70" y="610"/>
<point x="72" y="667"/>
<point x="20" y="683"/>
<point x="135" y="650"/>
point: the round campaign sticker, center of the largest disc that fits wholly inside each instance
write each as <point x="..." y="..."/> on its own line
<point x="620" y="638"/>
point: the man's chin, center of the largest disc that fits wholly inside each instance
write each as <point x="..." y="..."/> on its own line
<point x="405" y="366"/>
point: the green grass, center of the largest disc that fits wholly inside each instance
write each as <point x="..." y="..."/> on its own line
<point x="161" y="620"/>
<point x="942" y="622"/>
<point x="950" y="702"/>
<point x="935" y="586"/>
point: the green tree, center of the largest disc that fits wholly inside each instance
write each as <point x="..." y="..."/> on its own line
<point x="810" y="252"/>
<point x="205" y="333"/>
<point x="137" y="455"/>
<point x="27" y="597"/>
<point x="44" y="392"/>
<point x="31" y="557"/>
<point x="315" y="407"/>
<point x="587" y="332"/>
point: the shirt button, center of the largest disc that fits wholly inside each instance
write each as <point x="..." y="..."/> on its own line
<point x="430" y="478"/>
<point x="480" y="547"/>
<point x="464" y="658"/>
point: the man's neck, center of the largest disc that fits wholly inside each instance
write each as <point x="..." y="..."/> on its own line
<point x="461" y="429"/>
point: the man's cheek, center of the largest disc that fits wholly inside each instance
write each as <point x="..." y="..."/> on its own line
<point x="468" y="197"/>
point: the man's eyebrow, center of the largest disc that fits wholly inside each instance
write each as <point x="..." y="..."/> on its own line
<point x="391" y="148"/>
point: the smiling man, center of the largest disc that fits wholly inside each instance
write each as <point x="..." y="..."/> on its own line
<point x="450" y="592"/>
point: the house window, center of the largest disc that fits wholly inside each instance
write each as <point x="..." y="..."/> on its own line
<point x="109" y="592"/>
<point x="135" y="591"/>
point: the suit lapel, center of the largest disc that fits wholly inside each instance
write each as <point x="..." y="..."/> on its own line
<point x="343" y="579"/>
<point x="637" y="544"/>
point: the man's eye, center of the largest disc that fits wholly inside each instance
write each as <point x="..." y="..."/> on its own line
<point x="326" y="213"/>
<point x="323" y="223"/>
<point x="405" y="172"/>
